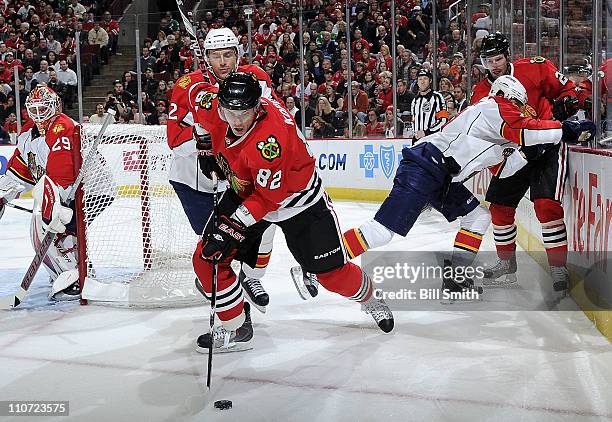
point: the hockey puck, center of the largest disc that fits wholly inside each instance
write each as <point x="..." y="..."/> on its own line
<point x="223" y="404"/>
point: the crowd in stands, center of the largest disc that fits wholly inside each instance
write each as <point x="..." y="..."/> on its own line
<point x="275" y="48"/>
<point x="38" y="39"/>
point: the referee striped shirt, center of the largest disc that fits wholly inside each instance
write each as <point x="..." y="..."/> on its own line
<point x="429" y="112"/>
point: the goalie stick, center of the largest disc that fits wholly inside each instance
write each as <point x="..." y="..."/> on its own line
<point x="11" y="301"/>
<point x="17" y="207"/>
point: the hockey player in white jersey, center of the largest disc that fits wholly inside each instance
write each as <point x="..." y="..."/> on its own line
<point x="43" y="163"/>
<point x="432" y="172"/>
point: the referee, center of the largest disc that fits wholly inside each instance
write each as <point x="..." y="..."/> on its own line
<point x="428" y="108"/>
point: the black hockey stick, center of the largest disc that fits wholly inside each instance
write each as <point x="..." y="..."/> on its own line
<point x="213" y="298"/>
<point x="17" y="207"/>
<point x="11" y="301"/>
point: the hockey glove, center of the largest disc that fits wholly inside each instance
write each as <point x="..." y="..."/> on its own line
<point x="46" y="196"/>
<point x="576" y="131"/>
<point x="223" y="240"/>
<point x="202" y="139"/>
<point x="565" y="107"/>
<point x="9" y="190"/>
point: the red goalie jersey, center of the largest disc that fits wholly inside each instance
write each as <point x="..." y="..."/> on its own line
<point x="50" y="154"/>
<point x="270" y="166"/>
<point x="543" y="82"/>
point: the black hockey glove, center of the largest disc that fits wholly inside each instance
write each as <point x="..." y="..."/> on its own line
<point x="223" y="239"/>
<point x="208" y="164"/>
<point x="565" y="107"/>
<point x="577" y="131"/>
<point x="203" y="141"/>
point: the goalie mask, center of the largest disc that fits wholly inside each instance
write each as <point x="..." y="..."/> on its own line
<point x="510" y="88"/>
<point x="42" y="105"/>
<point x="221" y="39"/>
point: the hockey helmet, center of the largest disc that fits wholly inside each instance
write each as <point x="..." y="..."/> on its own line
<point x="494" y="44"/>
<point x="239" y="91"/>
<point x="42" y="104"/>
<point x="218" y="38"/>
<point x="509" y="87"/>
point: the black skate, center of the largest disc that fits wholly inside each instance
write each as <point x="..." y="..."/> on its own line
<point x="306" y="284"/>
<point x="229" y="341"/>
<point x="72" y="292"/>
<point x="254" y="292"/>
<point x="380" y="312"/>
<point x="454" y="291"/>
<point x="502" y="274"/>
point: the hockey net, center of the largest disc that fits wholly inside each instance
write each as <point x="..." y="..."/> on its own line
<point x="135" y="242"/>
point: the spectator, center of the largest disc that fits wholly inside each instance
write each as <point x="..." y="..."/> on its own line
<point x="359" y="128"/>
<point x="24" y="10"/>
<point x="444" y="85"/>
<point x="360" y="101"/>
<point x="154" y="118"/>
<point x="10" y="62"/>
<point x="384" y="97"/>
<point x="404" y="97"/>
<point x="334" y="99"/>
<point x="149" y="83"/>
<point x="160" y="93"/>
<point x="461" y="102"/>
<point x="162" y="64"/>
<point x="389" y="129"/>
<point x="60" y="88"/>
<point x="68" y="77"/>
<point x="98" y="36"/>
<point x="172" y="50"/>
<point x="111" y="27"/>
<point x="42" y="49"/>
<point x="100" y="114"/>
<point x="374" y="127"/>
<point x="78" y="8"/>
<point x="450" y="104"/>
<point x="324" y="110"/>
<point x="53" y="44"/>
<point x="321" y="129"/>
<point x="130" y="84"/>
<point x="456" y="45"/>
<point x="291" y="107"/>
<point x="146" y="60"/>
<point x="28" y="79"/>
<point x="114" y="103"/>
<point x="159" y="42"/>
<point x="10" y="124"/>
<point x="121" y="94"/>
<point x="43" y="74"/>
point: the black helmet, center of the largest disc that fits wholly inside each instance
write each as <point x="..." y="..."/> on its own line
<point x="494" y="44"/>
<point x="425" y="72"/>
<point x="239" y="91"/>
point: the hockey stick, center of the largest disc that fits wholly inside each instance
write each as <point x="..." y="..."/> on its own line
<point x="195" y="45"/>
<point x="11" y="301"/>
<point x="17" y="207"/>
<point x="213" y="298"/>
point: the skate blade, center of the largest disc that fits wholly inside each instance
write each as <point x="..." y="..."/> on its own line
<point x="504" y="281"/>
<point x="298" y="281"/>
<point x="238" y="347"/>
<point x="260" y="308"/>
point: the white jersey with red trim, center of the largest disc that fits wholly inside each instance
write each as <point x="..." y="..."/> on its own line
<point x="51" y="154"/>
<point x="480" y="136"/>
<point x="184" y="168"/>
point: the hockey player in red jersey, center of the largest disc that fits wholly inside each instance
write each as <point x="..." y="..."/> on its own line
<point x="43" y="163"/>
<point x="433" y="171"/>
<point x="273" y="180"/>
<point x="189" y="141"/>
<point x="550" y="95"/>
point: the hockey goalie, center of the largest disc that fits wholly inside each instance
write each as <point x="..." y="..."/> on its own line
<point x="43" y="163"/>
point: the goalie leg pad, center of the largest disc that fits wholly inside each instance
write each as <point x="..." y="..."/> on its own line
<point x="63" y="281"/>
<point x="47" y="200"/>
<point x="61" y="254"/>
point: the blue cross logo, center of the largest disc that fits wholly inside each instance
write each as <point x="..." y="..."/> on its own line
<point x="368" y="161"/>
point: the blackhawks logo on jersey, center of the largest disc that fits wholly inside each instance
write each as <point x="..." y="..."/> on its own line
<point x="204" y="99"/>
<point x="537" y="59"/>
<point x="269" y="149"/>
<point x="237" y="184"/>
<point x="184" y="81"/>
<point x="35" y="170"/>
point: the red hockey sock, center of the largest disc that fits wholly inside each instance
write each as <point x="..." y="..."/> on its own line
<point x="349" y="281"/>
<point x="554" y="234"/>
<point x="504" y="230"/>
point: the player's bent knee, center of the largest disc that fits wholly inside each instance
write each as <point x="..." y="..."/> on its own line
<point x="548" y="210"/>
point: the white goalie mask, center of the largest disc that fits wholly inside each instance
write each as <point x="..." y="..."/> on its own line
<point x="43" y="104"/>
<point x="510" y="88"/>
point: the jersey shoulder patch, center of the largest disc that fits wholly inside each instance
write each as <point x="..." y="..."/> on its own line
<point x="269" y="149"/>
<point x="537" y="60"/>
<point x="184" y="81"/>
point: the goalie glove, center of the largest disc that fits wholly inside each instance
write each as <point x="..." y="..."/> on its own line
<point x="9" y="190"/>
<point x="46" y="196"/>
<point x="565" y="107"/>
<point x="223" y="239"/>
<point x="576" y="131"/>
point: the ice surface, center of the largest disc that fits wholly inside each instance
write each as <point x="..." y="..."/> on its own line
<point x="317" y="360"/>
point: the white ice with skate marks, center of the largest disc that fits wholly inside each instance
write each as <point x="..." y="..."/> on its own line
<point x="321" y="360"/>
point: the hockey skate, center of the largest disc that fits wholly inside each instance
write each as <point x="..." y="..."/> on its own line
<point x="225" y="341"/>
<point x="306" y="284"/>
<point x="254" y="292"/>
<point x="455" y="291"/>
<point x="380" y="312"/>
<point x="560" y="282"/>
<point x="72" y="292"/>
<point x="502" y="274"/>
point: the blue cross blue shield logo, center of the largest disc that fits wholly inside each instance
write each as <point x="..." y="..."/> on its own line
<point x="368" y="160"/>
<point x="387" y="159"/>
